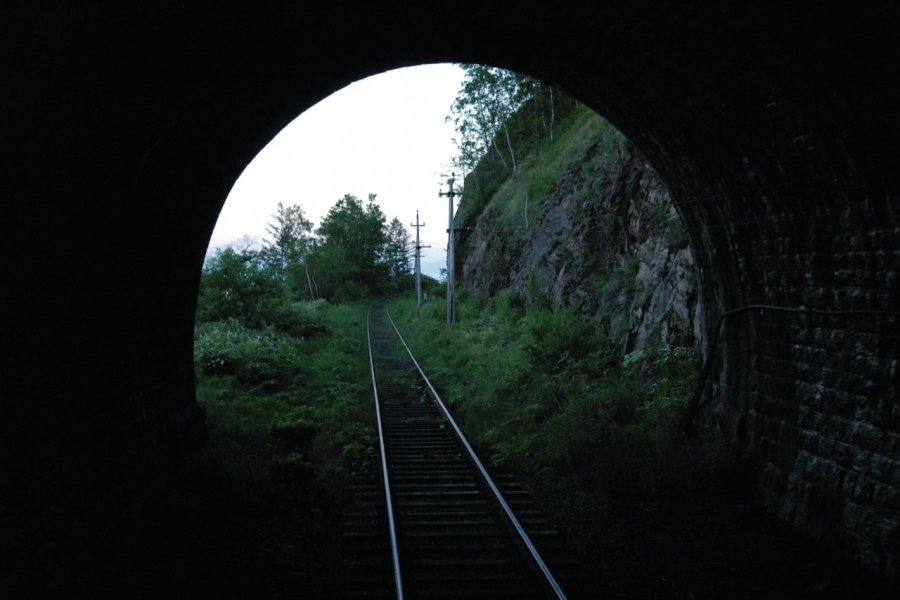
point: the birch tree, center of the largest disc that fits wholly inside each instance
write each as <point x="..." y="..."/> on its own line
<point x="480" y="113"/>
<point x="483" y="110"/>
<point x="291" y="236"/>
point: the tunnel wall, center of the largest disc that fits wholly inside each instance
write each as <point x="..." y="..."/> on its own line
<point x="791" y="205"/>
<point x="775" y="129"/>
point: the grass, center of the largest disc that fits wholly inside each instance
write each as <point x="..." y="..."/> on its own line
<point x="542" y="388"/>
<point x="536" y="175"/>
<point x="298" y="404"/>
<point x="493" y="186"/>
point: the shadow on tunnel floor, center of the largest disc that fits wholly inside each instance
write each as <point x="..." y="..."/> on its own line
<point x="228" y="528"/>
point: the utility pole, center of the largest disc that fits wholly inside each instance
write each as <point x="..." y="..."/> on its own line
<point x="418" y="263"/>
<point x="451" y="308"/>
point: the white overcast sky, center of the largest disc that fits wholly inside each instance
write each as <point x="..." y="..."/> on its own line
<point x="384" y="134"/>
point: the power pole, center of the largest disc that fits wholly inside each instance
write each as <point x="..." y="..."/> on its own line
<point x="451" y="308"/>
<point x="418" y="261"/>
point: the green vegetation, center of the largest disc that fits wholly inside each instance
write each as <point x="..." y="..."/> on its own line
<point x="302" y="398"/>
<point x="282" y="370"/>
<point x="537" y="174"/>
<point x="347" y="262"/>
<point x="279" y="345"/>
<point x="538" y="384"/>
<point x="500" y="118"/>
<point x="503" y="114"/>
<point x="541" y="387"/>
<point x="515" y="200"/>
<point x="281" y="362"/>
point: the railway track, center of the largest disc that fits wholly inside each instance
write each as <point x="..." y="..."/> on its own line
<point x="429" y="520"/>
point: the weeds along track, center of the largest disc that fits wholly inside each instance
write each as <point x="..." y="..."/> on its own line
<point x="433" y="523"/>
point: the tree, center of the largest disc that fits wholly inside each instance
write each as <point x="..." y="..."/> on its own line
<point x="331" y="272"/>
<point x="540" y="97"/>
<point x="483" y="111"/>
<point x="359" y="230"/>
<point x="350" y="253"/>
<point x="397" y="249"/>
<point x="291" y="237"/>
<point x="237" y="284"/>
<point x="482" y="108"/>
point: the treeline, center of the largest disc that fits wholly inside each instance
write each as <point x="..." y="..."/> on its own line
<point x="355" y="253"/>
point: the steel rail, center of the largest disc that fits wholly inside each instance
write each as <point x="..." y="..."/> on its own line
<point x="395" y="554"/>
<point x="551" y="580"/>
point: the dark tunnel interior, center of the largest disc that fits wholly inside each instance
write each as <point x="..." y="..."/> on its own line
<point x="776" y="128"/>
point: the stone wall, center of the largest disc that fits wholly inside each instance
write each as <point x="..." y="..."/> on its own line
<point x="814" y="399"/>
<point x="823" y="422"/>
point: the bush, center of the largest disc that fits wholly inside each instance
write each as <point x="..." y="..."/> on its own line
<point x="264" y="358"/>
<point x="240" y="286"/>
<point x="560" y="340"/>
<point x="544" y="387"/>
<point x="299" y="319"/>
<point x="299" y="410"/>
<point x="295" y="430"/>
<point x="509" y="305"/>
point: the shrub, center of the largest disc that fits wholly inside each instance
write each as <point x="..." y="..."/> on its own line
<point x="295" y="430"/>
<point x="299" y="319"/>
<point x="544" y="386"/>
<point x="261" y="358"/>
<point x="559" y="340"/>
<point x="238" y="285"/>
<point x="509" y="305"/>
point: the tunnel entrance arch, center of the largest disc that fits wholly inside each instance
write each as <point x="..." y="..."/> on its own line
<point x="775" y="130"/>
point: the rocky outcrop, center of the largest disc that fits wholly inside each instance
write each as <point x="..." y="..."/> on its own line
<point x="607" y="237"/>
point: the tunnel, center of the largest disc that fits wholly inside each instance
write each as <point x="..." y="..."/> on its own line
<point x="775" y="127"/>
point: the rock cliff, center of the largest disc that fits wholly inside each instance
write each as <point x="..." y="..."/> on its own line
<point x="606" y="237"/>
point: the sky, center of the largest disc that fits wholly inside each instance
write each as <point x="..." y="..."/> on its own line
<point x="385" y="135"/>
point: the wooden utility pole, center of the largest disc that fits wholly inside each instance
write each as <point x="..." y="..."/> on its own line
<point x="418" y="261"/>
<point x="451" y="308"/>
